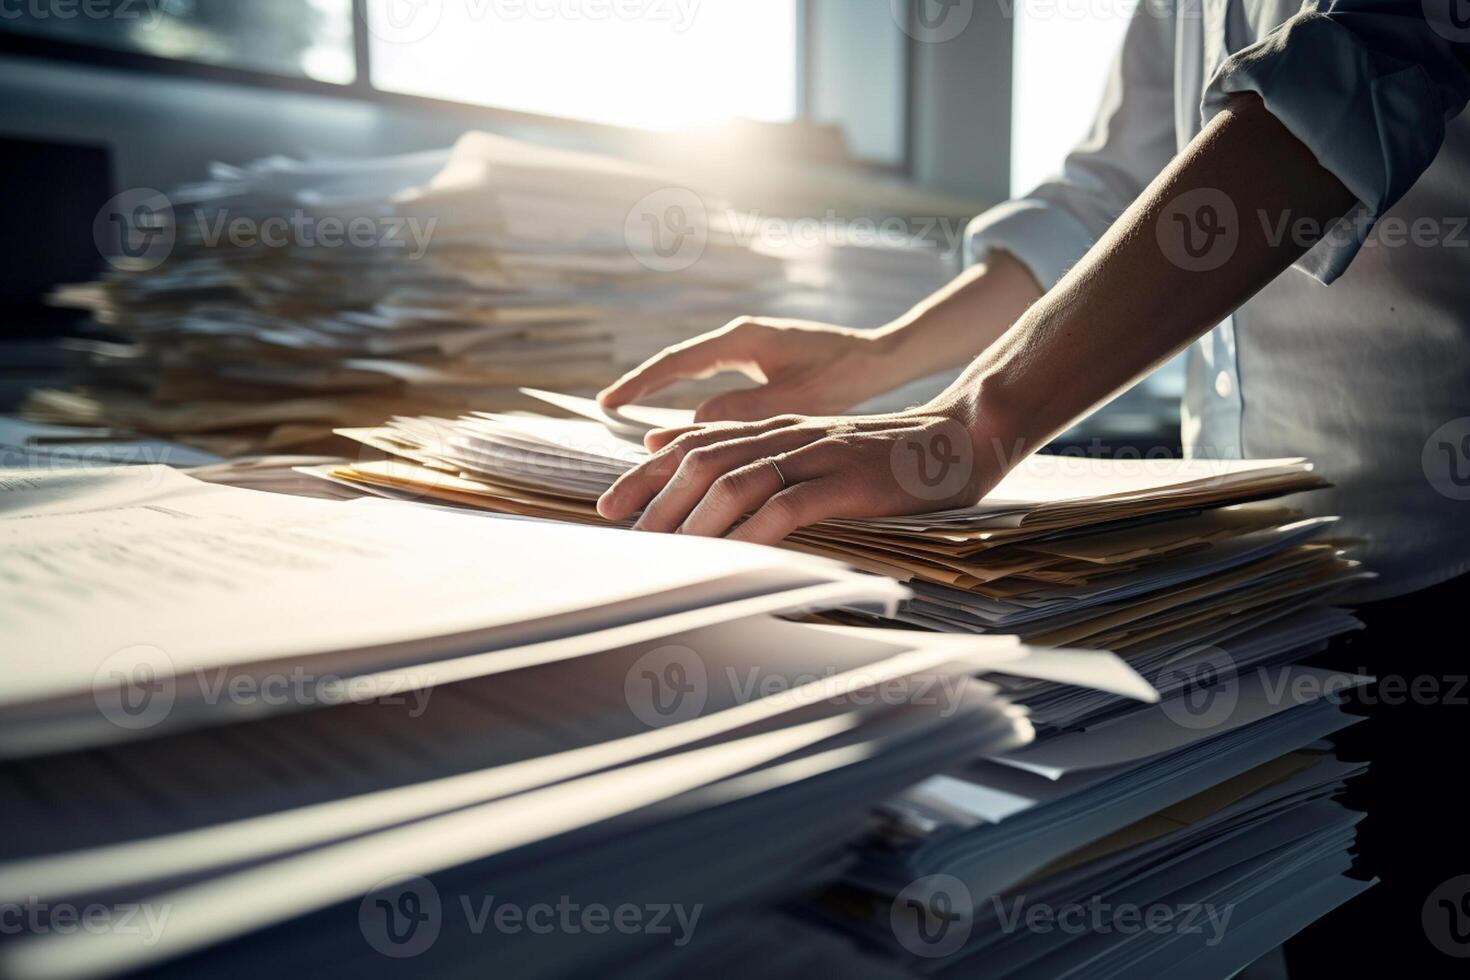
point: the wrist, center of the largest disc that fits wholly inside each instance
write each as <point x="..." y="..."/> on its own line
<point x="897" y="352"/>
<point x="1002" y="430"/>
<point x="876" y="363"/>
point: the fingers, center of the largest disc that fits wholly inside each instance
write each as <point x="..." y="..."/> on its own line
<point x="704" y="480"/>
<point x="657" y="439"/>
<point x="745" y="405"/>
<point x="660" y="371"/>
<point x="704" y="465"/>
<point x="743" y="490"/>
<point x="634" y="489"/>
<point x="700" y="357"/>
<point x="795" y="507"/>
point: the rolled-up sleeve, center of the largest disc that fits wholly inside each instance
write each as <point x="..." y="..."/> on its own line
<point x="1131" y="140"/>
<point x="1367" y="86"/>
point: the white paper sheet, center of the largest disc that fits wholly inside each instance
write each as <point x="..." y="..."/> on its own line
<point x="189" y="577"/>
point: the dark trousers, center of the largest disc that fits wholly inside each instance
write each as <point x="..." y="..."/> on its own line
<point x="1416" y="837"/>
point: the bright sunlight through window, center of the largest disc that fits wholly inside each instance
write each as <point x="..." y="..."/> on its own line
<point x="1063" y="51"/>
<point x="655" y="64"/>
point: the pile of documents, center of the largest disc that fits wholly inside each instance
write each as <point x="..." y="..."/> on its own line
<point x="293" y="297"/>
<point x="1221" y="799"/>
<point x="1142" y="557"/>
<point x="1183" y="839"/>
<point x="243" y="730"/>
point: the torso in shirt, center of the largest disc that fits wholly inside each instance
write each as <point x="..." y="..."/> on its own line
<point x="1368" y="377"/>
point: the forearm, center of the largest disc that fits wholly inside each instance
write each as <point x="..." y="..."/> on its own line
<point x="1135" y="300"/>
<point x="952" y="326"/>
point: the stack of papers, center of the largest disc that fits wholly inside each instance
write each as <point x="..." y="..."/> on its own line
<point x="1221" y="799"/>
<point x="203" y="578"/>
<point x="308" y="728"/>
<point x="1147" y="558"/>
<point x="278" y="474"/>
<point x="437" y="282"/>
<point x="1050" y="859"/>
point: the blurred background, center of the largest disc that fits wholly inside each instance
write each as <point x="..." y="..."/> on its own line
<point x="839" y="110"/>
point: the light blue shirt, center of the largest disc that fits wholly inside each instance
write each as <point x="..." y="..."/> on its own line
<point x="1359" y="356"/>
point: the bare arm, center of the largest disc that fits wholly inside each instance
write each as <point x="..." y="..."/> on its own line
<point x="965" y="317"/>
<point x="824" y="369"/>
<point x="1131" y="303"/>
<point x="1138" y="297"/>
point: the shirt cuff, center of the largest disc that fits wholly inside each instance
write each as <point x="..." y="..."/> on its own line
<point x="1044" y="237"/>
<point x="1362" y="115"/>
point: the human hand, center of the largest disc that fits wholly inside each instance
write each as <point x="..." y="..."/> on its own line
<point x="792" y="471"/>
<point x="802" y="366"/>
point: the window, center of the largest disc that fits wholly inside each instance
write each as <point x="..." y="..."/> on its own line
<point x="656" y="64"/>
<point x="1051" y="110"/>
<point x="302" y="38"/>
<point x="858" y="66"/>
<point x="1063" y="49"/>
